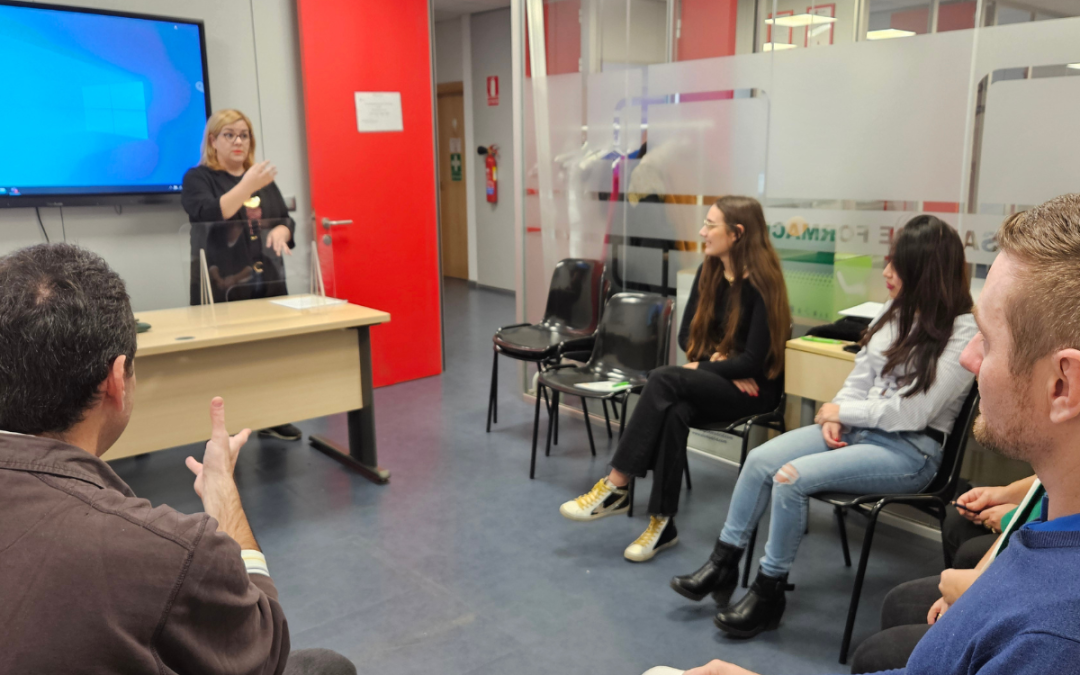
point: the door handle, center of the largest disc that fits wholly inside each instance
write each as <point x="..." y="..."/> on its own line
<point x="327" y="223"/>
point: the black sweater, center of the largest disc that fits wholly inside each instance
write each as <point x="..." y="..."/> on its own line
<point x="203" y="188"/>
<point x="201" y="195"/>
<point x="752" y="339"/>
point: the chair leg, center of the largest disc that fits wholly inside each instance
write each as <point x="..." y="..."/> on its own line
<point x="686" y="470"/>
<point x="622" y="422"/>
<point x="607" y="420"/>
<point x="856" y="592"/>
<point x="745" y="449"/>
<point x="840" y="522"/>
<point x="555" y="412"/>
<point x="494" y="387"/>
<point x="630" y="513"/>
<point x="551" y="422"/>
<point x="614" y="410"/>
<point x="536" y="429"/>
<point x="588" y="426"/>
<point x="749" y="558"/>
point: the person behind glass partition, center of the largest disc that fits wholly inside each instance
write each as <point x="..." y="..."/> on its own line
<point x="240" y="219"/>
<point x="882" y="433"/>
<point x="234" y="204"/>
<point x="733" y="331"/>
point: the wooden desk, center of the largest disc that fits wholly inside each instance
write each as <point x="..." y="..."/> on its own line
<point x="272" y="365"/>
<point x="815" y="371"/>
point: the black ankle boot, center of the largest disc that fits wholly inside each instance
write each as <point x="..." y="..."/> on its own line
<point x="719" y="576"/>
<point x="759" y="610"/>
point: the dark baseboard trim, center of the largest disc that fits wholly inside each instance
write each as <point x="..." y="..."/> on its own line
<point x="494" y="289"/>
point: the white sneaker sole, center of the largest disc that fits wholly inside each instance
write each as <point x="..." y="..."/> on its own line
<point x="632" y="557"/>
<point x="584" y="518"/>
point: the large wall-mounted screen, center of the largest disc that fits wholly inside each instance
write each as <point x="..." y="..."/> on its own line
<point x="97" y="107"/>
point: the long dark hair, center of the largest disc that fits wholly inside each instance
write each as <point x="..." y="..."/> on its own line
<point x="753" y="259"/>
<point x="929" y="259"/>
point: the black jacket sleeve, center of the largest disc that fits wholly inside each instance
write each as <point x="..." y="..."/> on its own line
<point x="199" y="198"/>
<point x="688" y="313"/>
<point x="274" y="207"/>
<point x="750" y="362"/>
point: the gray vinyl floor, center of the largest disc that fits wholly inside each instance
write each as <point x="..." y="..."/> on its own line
<point x="463" y="565"/>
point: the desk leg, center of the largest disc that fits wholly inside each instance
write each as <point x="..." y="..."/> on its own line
<point x="362" y="454"/>
<point x="807" y="410"/>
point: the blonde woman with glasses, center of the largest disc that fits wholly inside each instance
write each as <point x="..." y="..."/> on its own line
<point x="239" y="218"/>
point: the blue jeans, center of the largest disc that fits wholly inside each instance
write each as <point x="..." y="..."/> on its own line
<point x="873" y="461"/>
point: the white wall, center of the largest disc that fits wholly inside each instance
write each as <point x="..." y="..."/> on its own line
<point x="448" y="51"/>
<point x="252" y="59"/>
<point x="452" y="60"/>
<point x="491" y="54"/>
<point x="647" y="39"/>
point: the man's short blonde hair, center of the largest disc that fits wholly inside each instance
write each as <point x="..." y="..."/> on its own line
<point x="214" y="125"/>
<point x="1043" y="312"/>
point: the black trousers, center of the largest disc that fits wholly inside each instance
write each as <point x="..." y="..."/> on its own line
<point x="673" y="400"/>
<point x="903" y="614"/>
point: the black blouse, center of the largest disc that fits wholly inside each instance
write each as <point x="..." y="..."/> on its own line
<point x="752" y="339"/>
<point x="201" y="195"/>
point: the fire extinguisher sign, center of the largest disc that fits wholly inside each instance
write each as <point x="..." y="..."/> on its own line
<point x="493" y="90"/>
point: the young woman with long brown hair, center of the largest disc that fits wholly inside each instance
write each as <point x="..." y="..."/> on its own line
<point x="882" y="433"/>
<point x="733" y="330"/>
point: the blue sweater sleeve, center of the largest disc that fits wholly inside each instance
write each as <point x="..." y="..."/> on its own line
<point x="1034" y="653"/>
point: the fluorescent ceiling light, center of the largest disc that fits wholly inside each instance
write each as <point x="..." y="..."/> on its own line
<point x="888" y="34"/>
<point x="800" y="20"/>
<point x="777" y="46"/>
<point x="1074" y="66"/>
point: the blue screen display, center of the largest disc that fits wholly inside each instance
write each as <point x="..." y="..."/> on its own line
<point x="92" y="103"/>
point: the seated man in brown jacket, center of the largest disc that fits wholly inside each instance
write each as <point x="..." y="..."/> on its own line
<point x="92" y="578"/>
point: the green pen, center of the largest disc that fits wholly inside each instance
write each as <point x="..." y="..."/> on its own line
<point x="827" y="341"/>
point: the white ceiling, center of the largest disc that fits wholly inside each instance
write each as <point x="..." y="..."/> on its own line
<point x="449" y="9"/>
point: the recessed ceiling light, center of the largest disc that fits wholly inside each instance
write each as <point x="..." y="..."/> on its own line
<point x="777" y="46"/>
<point x="888" y="34"/>
<point x="1074" y="66"/>
<point x="800" y="20"/>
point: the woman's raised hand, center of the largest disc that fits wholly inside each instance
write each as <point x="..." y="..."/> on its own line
<point x="259" y="176"/>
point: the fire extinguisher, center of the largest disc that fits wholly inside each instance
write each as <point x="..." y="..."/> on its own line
<point x="491" y="171"/>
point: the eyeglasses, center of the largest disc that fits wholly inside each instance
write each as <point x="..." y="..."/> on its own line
<point x="230" y="136"/>
<point x="710" y="224"/>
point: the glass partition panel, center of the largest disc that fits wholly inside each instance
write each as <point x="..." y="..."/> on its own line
<point x="237" y="260"/>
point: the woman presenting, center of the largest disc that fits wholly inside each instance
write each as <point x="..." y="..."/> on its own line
<point x="239" y="218"/>
<point x="733" y="330"/>
<point x="238" y="206"/>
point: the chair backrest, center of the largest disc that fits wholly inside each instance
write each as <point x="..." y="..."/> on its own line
<point x="576" y="296"/>
<point x="952" y="455"/>
<point x="633" y="335"/>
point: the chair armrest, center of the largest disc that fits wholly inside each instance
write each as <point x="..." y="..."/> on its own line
<point x="575" y="345"/>
<point x="582" y="356"/>
<point x="513" y="325"/>
<point x="885" y="500"/>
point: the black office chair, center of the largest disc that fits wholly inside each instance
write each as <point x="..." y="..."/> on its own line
<point x="933" y="500"/>
<point x="631" y="341"/>
<point x="773" y="419"/>
<point x="574" y="306"/>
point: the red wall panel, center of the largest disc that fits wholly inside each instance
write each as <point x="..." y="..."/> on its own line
<point x="385" y="182"/>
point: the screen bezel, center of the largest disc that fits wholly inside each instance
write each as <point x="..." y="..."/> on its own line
<point x="109" y="198"/>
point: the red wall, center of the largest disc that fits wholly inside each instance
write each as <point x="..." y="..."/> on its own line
<point x="389" y="258"/>
<point x="708" y="29"/>
<point x="957" y="16"/>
